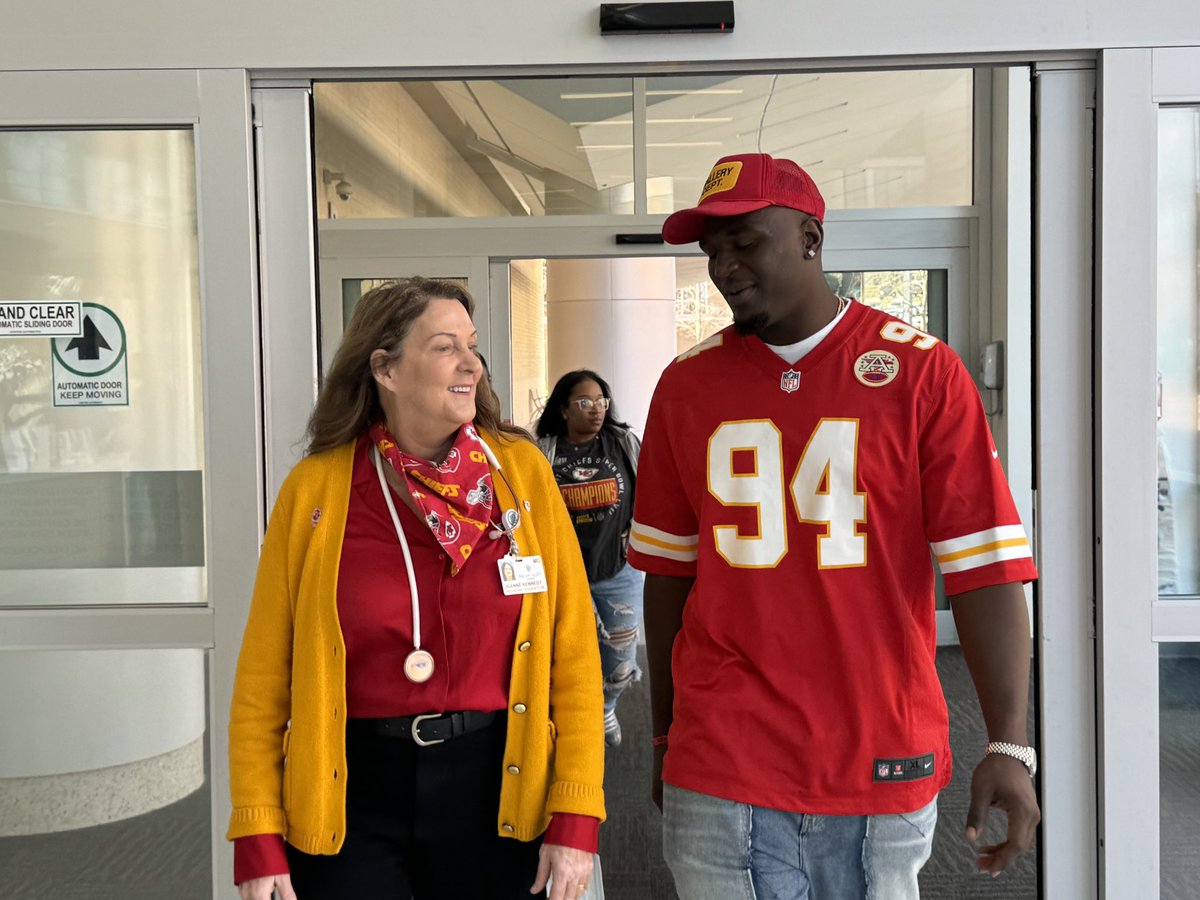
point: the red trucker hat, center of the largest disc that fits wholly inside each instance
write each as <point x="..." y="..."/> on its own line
<point x="741" y="184"/>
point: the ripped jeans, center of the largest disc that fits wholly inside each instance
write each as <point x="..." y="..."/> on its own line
<point x="618" y="604"/>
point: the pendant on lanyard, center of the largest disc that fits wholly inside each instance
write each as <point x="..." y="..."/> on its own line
<point x="518" y="574"/>
<point x="509" y="521"/>
<point x="418" y="665"/>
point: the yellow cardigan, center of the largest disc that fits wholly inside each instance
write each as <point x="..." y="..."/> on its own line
<point x="287" y="735"/>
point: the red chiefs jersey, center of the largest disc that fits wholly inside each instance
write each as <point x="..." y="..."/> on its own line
<point x="805" y="501"/>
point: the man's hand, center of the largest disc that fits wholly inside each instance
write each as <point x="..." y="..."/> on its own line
<point x="664" y="598"/>
<point x="1003" y="782"/>
<point x="993" y="631"/>
<point x="656" y="767"/>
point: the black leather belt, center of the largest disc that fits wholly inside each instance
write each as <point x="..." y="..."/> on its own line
<point x="430" y="728"/>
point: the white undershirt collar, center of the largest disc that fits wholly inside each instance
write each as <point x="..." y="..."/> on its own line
<point x="793" y="353"/>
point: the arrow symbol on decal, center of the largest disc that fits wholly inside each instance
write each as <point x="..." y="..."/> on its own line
<point x="90" y="342"/>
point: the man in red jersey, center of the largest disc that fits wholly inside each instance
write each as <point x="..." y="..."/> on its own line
<point x="797" y="469"/>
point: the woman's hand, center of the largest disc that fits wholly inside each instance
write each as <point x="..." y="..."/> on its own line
<point x="264" y="888"/>
<point x="570" y="869"/>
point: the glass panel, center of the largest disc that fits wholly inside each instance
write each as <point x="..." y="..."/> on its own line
<point x="918" y="296"/>
<point x="1178" y="360"/>
<point x="353" y="290"/>
<point x="527" y="296"/>
<point x="101" y="412"/>
<point x="1178" y="496"/>
<point x="104" y="785"/>
<point x="869" y="139"/>
<point x="534" y="147"/>
<point x="1179" y="757"/>
<point x="522" y="147"/>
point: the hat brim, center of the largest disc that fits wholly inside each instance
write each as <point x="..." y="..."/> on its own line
<point x="687" y="225"/>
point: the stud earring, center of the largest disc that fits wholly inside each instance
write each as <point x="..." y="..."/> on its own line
<point x="811" y="253"/>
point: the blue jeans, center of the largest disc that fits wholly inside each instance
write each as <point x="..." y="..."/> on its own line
<point x="618" y="604"/>
<point x="721" y="850"/>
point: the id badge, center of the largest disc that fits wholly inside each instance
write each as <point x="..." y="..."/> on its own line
<point x="521" y="574"/>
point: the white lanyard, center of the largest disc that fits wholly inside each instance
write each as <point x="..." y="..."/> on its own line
<point x="418" y="665"/>
<point x="510" y="519"/>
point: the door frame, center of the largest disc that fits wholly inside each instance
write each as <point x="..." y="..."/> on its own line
<point x="482" y="249"/>
<point x="336" y="270"/>
<point x="215" y="105"/>
<point x="1069" y="835"/>
<point x="935" y="238"/>
<point x="1131" y="621"/>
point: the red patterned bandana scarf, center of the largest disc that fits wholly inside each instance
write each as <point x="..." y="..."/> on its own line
<point x="455" y="498"/>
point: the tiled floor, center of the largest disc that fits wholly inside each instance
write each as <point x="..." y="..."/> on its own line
<point x="166" y="854"/>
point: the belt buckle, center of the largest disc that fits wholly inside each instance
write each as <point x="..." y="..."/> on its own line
<point x="416" y="736"/>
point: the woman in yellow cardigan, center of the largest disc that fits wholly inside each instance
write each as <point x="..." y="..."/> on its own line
<point x="418" y="704"/>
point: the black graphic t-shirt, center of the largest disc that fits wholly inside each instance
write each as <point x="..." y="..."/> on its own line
<point x="597" y="486"/>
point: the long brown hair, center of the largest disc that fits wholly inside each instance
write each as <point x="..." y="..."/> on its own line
<point x="348" y="402"/>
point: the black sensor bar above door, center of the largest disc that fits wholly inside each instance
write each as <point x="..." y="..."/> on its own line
<point x="714" y="16"/>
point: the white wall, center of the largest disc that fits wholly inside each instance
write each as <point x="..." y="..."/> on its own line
<point x="263" y="34"/>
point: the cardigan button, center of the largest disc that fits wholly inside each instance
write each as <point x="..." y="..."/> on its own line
<point x="520" y="708"/>
<point x="514" y="770"/>
<point x="525" y="645"/>
<point x="508" y="828"/>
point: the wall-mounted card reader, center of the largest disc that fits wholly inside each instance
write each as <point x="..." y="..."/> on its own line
<point x="991" y="370"/>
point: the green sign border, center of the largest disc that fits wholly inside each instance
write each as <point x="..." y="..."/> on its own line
<point x="120" y="356"/>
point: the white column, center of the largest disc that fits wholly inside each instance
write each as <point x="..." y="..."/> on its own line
<point x="97" y="736"/>
<point x="616" y="317"/>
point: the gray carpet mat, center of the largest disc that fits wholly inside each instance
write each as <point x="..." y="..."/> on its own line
<point x="165" y="854"/>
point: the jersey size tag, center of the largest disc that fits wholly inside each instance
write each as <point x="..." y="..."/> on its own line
<point x="908" y="768"/>
<point x="521" y="574"/>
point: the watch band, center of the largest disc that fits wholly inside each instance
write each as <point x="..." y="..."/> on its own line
<point x="1027" y="756"/>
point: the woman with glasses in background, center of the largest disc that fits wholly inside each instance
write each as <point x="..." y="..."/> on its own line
<point x="594" y="456"/>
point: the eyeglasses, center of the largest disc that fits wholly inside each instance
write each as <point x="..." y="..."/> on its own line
<point x="586" y="403"/>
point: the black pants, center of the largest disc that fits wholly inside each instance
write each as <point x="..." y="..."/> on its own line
<point x="421" y="824"/>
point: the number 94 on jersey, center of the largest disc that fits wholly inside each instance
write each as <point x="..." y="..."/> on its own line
<point x="745" y="469"/>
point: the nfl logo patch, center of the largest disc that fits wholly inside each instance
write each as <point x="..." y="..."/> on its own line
<point x="789" y="381"/>
<point x="882" y="770"/>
